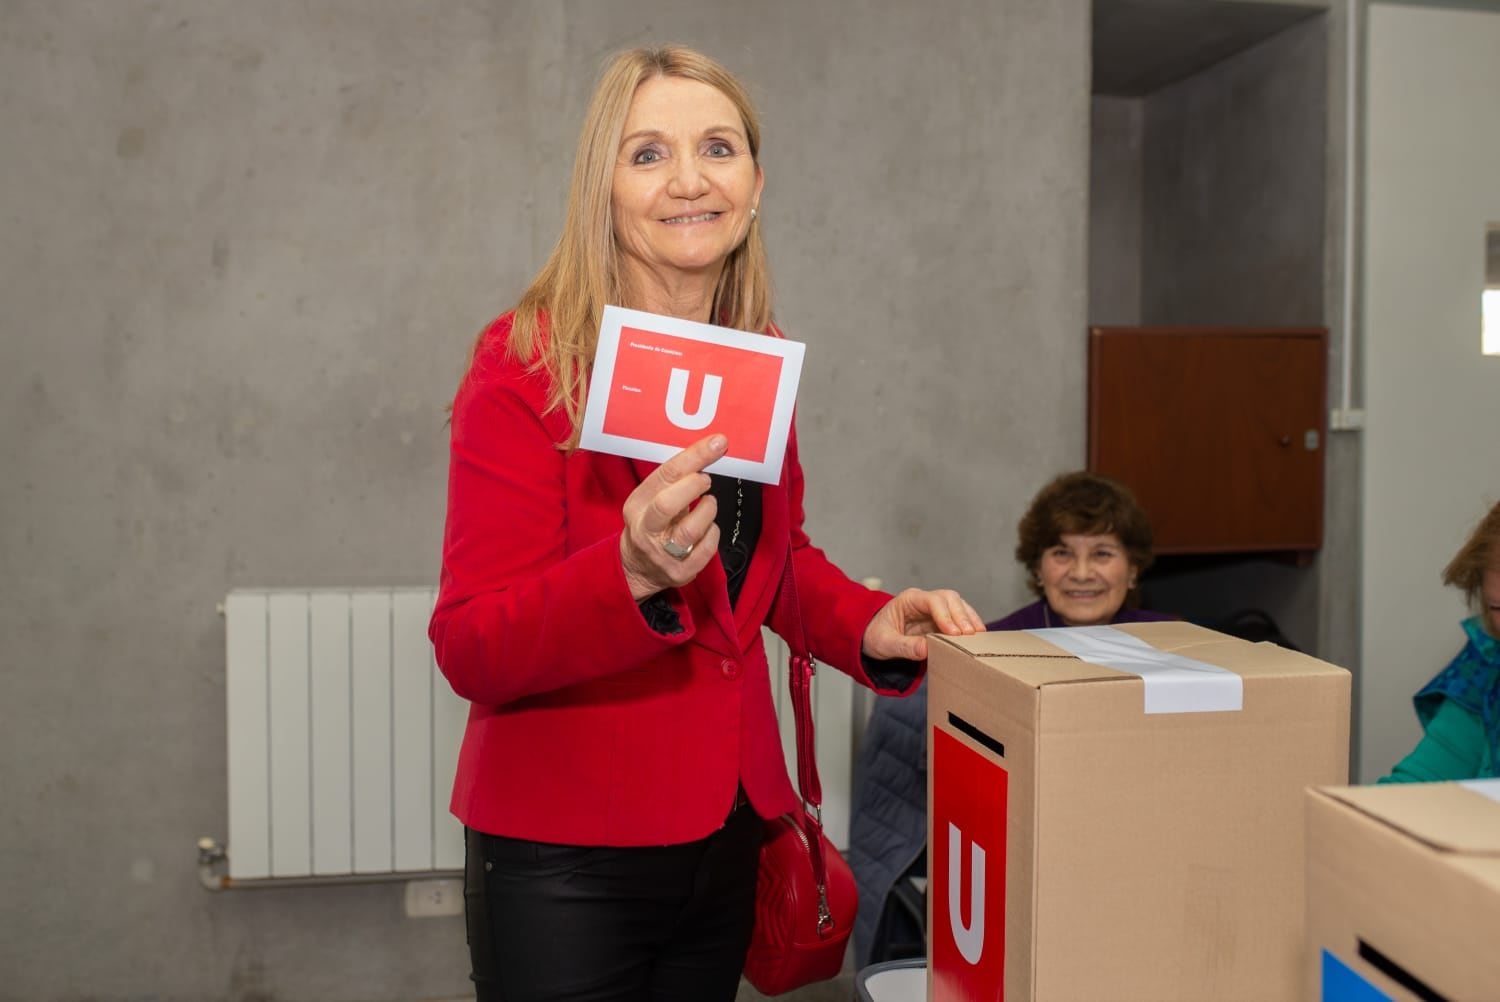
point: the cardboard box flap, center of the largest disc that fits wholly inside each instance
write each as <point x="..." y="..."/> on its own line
<point x="1447" y="816"/>
<point x="1186" y="639"/>
<point x="1028" y="658"/>
<point x="1242" y="657"/>
<point x="1175" y="635"/>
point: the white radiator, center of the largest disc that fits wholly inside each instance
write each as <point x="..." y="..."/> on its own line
<point x="343" y="736"/>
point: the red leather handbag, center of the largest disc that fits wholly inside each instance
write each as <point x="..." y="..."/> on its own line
<point x="805" y="897"/>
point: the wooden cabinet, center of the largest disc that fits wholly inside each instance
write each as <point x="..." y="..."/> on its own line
<point x="1219" y="431"/>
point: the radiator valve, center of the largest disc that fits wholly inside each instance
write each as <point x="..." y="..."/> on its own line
<point x="210" y="855"/>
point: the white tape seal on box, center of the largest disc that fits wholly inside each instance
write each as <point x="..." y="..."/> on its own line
<point x="1484" y="787"/>
<point x="1174" y="684"/>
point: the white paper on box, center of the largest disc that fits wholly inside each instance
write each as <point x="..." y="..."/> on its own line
<point x="1484" y="787"/>
<point x="1174" y="684"/>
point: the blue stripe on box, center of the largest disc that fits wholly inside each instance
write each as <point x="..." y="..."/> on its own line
<point x="1341" y="983"/>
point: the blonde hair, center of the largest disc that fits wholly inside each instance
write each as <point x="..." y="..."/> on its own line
<point x="556" y="324"/>
<point x="1466" y="570"/>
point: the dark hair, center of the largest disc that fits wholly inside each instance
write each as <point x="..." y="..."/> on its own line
<point x="1084" y="504"/>
<point x="1466" y="570"/>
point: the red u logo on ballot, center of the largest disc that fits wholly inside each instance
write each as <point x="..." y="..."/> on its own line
<point x="676" y="390"/>
<point x="967" y="872"/>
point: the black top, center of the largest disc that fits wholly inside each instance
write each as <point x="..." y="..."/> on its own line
<point x="740" y="508"/>
<point x="738" y="519"/>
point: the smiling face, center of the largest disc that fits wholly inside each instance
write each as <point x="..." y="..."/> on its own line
<point x="684" y="184"/>
<point x="1085" y="578"/>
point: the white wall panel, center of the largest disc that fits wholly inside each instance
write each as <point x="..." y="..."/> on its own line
<point x="248" y="729"/>
<point x="332" y="752"/>
<point x="372" y="716"/>
<point x="291" y="735"/>
<point x="1432" y="159"/>
<point x="411" y="733"/>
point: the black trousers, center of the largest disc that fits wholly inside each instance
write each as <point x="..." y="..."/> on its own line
<point x="641" y="924"/>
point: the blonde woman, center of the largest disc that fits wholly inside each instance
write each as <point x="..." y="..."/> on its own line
<point x="603" y="615"/>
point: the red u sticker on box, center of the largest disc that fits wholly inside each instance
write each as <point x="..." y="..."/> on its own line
<point x="659" y="384"/>
<point x="966" y="876"/>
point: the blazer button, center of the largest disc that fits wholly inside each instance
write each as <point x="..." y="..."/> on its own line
<point x="731" y="669"/>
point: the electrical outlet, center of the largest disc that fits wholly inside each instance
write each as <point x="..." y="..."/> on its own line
<point x="434" y="898"/>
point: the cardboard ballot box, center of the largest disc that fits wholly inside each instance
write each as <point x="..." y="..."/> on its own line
<point x="1403" y="892"/>
<point x="1101" y="834"/>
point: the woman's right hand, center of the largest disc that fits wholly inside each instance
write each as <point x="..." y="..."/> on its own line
<point x="660" y="512"/>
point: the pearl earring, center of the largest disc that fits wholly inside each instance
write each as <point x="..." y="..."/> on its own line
<point x="752" y="215"/>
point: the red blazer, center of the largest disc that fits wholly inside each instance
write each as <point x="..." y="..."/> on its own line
<point x="586" y="726"/>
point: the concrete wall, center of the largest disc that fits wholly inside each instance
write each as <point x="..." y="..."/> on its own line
<point x="1116" y="132"/>
<point x="247" y="246"/>
<point x="1233" y="188"/>
<point x="1228" y="171"/>
<point x="1433" y="400"/>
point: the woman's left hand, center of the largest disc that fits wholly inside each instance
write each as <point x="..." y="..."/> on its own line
<point x="899" y="629"/>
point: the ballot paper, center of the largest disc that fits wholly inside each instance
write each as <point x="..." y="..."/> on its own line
<point x="660" y="384"/>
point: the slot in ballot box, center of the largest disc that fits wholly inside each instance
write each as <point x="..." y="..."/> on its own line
<point x="1118" y="812"/>
<point x="1403" y="892"/>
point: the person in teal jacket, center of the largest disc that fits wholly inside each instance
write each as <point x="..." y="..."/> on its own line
<point x="1460" y="708"/>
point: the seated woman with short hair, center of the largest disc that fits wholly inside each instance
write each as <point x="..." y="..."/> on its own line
<point x="1084" y="542"/>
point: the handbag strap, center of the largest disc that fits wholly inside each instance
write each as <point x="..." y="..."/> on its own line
<point x="800" y="676"/>
<point x="800" y="679"/>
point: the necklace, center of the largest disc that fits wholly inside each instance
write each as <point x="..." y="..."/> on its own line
<point x="734" y="549"/>
<point x="739" y="511"/>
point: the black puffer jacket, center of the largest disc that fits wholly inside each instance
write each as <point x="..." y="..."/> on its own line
<point x="888" y="824"/>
